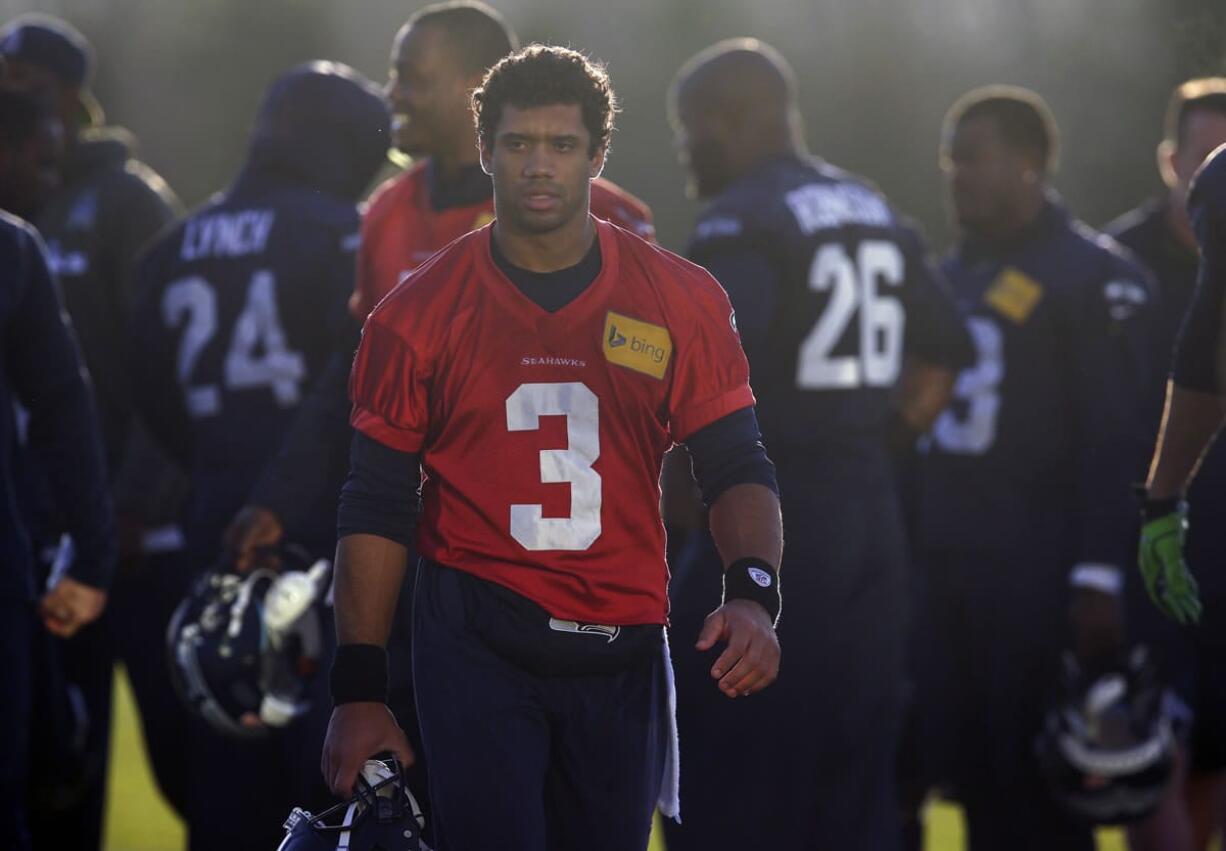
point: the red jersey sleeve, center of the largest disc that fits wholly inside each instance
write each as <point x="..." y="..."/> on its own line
<point x="711" y="378"/>
<point x="614" y="204"/>
<point x="390" y="389"/>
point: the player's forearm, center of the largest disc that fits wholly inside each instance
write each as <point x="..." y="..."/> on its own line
<point x="369" y="570"/>
<point x="1189" y="424"/>
<point x="746" y="523"/>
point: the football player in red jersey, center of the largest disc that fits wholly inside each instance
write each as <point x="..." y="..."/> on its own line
<point x="536" y="370"/>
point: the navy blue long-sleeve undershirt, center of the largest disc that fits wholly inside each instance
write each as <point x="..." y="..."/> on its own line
<point x="41" y="367"/>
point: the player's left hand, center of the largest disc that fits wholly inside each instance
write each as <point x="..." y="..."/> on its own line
<point x="1168" y="580"/>
<point x="69" y="606"/>
<point x="750" y="662"/>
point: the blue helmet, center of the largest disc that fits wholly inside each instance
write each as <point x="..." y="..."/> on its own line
<point x="381" y="816"/>
<point x="1108" y="744"/>
<point x="245" y="647"/>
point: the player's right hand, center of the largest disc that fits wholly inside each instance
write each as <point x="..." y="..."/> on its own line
<point x="252" y="528"/>
<point x="1168" y="580"/>
<point x="355" y="732"/>
<point x="71" y="605"/>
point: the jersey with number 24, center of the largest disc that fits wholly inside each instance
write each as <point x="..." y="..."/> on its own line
<point x="541" y="434"/>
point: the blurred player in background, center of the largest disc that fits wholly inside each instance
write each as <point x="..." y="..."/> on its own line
<point x="33" y="143"/>
<point x="539" y="659"/>
<point x="438" y="57"/>
<point x="1185" y="453"/>
<point x="1025" y="481"/>
<point x="243" y="306"/>
<point x="1160" y="234"/>
<point x="852" y="338"/>
<point x="108" y="205"/>
<point x="40" y="368"/>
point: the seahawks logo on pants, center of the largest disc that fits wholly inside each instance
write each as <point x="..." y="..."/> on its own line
<point x="609" y="633"/>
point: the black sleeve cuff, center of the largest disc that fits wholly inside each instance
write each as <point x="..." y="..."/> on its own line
<point x="730" y="452"/>
<point x="380" y="496"/>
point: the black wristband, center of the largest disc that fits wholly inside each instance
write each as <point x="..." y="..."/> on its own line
<point x="359" y="674"/>
<point x="1152" y="509"/>
<point x="754" y="579"/>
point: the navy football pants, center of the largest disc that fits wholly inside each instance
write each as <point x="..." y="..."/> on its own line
<point x="1192" y="660"/>
<point x="997" y="622"/>
<point x="141" y="606"/>
<point x="67" y="806"/>
<point x="808" y="763"/>
<point x="520" y="762"/>
<point x="16" y="623"/>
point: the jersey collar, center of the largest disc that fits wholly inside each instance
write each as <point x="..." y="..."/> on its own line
<point x="525" y="309"/>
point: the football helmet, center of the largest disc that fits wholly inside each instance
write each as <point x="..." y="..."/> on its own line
<point x="383" y="815"/>
<point x="244" y="647"/>
<point x="1108" y="744"/>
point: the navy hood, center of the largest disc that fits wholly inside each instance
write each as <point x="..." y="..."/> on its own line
<point x="322" y="124"/>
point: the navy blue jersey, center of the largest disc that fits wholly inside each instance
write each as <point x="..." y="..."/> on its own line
<point x="1041" y="440"/>
<point x="41" y="368"/>
<point x="242" y="305"/>
<point x="1199" y="361"/>
<point x="1145" y="232"/>
<point x="832" y="290"/>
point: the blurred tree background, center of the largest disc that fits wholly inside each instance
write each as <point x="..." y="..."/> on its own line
<point x="875" y="77"/>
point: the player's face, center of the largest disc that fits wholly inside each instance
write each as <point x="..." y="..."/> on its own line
<point x="29" y="172"/>
<point x="539" y="159"/>
<point x="1203" y="132"/>
<point x="45" y="84"/>
<point x="700" y="138"/>
<point x="985" y="175"/>
<point x="428" y="92"/>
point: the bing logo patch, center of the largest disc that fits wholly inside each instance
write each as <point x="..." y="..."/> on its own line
<point x="637" y="345"/>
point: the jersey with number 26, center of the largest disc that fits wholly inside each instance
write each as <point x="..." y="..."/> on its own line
<point x="832" y="290"/>
<point x="541" y="434"/>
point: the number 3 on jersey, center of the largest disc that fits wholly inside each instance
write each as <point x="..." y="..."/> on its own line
<point x="581" y="407"/>
<point x="978" y="390"/>
<point x="853" y="287"/>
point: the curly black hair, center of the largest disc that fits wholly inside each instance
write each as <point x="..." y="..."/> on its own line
<point x="544" y="75"/>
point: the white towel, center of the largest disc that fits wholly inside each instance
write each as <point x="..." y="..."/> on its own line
<point x="669" y="801"/>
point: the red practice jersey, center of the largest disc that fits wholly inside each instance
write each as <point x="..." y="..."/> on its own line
<point x="401" y="231"/>
<point x="541" y="434"/>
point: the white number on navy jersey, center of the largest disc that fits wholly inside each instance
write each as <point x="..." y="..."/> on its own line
<point x="573" y="464"/>
<point x="853" y="286"/>
<point x="979" y="389"/>
<point x="196" y="298"/>
<point x="257" y="327"/>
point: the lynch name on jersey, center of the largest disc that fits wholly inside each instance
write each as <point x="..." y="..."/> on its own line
<point x="227" y="235"/>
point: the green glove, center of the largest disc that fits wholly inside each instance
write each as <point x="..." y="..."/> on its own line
<point x="1167" y="579"/>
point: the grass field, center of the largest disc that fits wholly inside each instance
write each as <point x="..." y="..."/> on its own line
<point x="137" y="819"/>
